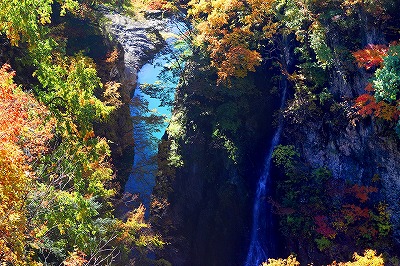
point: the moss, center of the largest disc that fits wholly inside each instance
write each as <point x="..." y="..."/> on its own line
<point x="176" y="132"/>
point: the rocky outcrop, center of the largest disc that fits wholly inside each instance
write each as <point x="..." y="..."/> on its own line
<point x="354" y="148"/>
<point x="360" y="151"/>
<point x="140" y="40"/>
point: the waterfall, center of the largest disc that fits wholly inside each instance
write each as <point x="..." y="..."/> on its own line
<point x="262" y="240"/>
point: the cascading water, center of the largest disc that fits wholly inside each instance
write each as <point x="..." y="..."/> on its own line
<point x="261" y="241"/>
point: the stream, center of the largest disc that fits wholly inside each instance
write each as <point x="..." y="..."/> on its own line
<point x="262" y="233"/>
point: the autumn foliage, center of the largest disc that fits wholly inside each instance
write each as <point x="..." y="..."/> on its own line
<point x="55" y="172"/>
<point x="290" y="261"/>
<point x="327" y="214"/>
<point x="351" y="219"/>
<point x="361" y="192"/>
<point x="323" y="226"/>
<point x="373" y="103"/>
<point x="371" y="56"/>
<point x="23" y="138"/>
<point x="368" y="106"/>
<point x="368" y="259"/>
<point x="157" y="5"/>
<point x="228" y="28"/>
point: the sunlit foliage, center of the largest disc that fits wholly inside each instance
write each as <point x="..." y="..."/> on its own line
<point x="369" y="259"/>
<point x="69" y="91"/>
<point x="371" y="56"/>
<point x="368" y="106"/>
<point x="23" y="138"/>
<point x="381" y="99"/>
<point x="136" y="231"/>
<point x="290" y="261"/>
<point x="56" y="177"/>
<point x="23" y="20"/>
<point x="387" y="79"/>
<point x="230" y="30"/>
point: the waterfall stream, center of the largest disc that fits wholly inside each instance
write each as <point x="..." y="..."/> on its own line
<point x="262" y="239"/>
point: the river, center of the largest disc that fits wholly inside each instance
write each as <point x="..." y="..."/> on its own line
<point x="151" y="111"/>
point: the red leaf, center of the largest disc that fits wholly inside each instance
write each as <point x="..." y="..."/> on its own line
<point x="371" y="56"/>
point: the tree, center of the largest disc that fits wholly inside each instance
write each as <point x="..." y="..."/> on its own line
<point x="369" y="259"/>
<point x="23" y="139"/>
<point x="387" y="79"/>
<point x="331" y="215"/>
<point x="378" y="8"/>
<point x="56" y="202"/>
<point x="22" y="21"/>
<point x="290" y="261"/>
<point x="230" y="30"/>
<point x="68" y="90"/>
<point x="367" y="105"/>
<point x="383" y="92"/>
<point x="371" y="56"/>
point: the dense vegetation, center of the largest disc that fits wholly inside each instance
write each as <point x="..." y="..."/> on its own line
<point x="57" y="188"/>
<point x="327" y="52"/>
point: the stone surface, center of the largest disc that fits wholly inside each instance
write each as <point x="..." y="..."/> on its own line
<point x="134" y="37"/>
<point x="358" y="148"/>
<point x="358" y="153"/>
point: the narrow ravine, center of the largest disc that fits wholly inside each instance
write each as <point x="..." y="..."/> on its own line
<point x="151" y="112"/>
<point x="262" y="237"/>
<point x="147" y="135"/>
<point x="148" y="47"/>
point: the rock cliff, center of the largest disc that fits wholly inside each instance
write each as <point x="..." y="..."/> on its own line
<point x="203" y="208"/>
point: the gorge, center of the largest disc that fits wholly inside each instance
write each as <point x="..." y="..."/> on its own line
<point x="145" y="132"/>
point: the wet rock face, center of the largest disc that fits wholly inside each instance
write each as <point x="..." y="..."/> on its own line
<point x="208" y="217"/>
<point x="357" y="149"/>
<point x="204" y="218"/>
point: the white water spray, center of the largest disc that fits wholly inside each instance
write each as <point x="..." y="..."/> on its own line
<point x="262" y="242"/>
